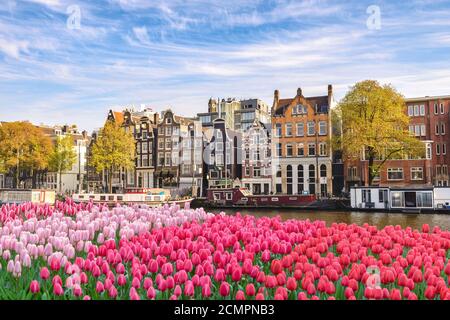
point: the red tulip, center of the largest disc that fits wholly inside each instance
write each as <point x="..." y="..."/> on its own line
<point x="135" y="283"/>
<point x="99" y="287"/>
<point x="45" y="274"/>
<point x="151" y="293"/>
<point x="55" y="264"/>
<point x="302" y="296"/>
<point x="291" y="284"/>
<point x="77" y="292"/>
<point x="189" y="289"/>
<point x="86" y="298"/>
<point x="224" y="289"/>
<point x="57" y="289"/>
<point x="250" y="290"/>
<point x="206" y="291"/>
<point x="276" y="267"/>
<point x="112" y="292"/>
<point x="311" y="289"/>
<point x="396" y="295"/>
<point x="134" y="295"/>
<point x="430" y="292"/>
<point x="259" y="296"/>
<point x="121" y="280"/>
<point x="240" y="295"/>
<point x="56" y="280"/>
<point x="34" y="287"/>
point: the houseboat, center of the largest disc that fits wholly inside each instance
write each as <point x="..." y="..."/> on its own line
<point x="151" y="197"/>
<point x="19" y="196"/>
<point x="413" y="200"/>
<point x="242" y="198"/>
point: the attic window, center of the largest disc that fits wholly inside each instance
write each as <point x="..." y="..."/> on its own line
<point x="168" y="120"/>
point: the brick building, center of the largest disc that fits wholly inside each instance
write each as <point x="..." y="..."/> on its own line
<point x="302" y="126"/>
<point x="429" y="122"/>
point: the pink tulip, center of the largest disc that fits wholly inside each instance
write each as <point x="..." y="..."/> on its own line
<point x="34" y="287"/>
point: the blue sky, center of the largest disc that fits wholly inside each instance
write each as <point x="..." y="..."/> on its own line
<point x="179" y="53"/>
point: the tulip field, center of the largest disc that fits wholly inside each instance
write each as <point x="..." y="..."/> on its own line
<point x="75" y="251"/>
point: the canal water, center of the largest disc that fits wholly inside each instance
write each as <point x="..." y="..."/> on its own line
<point x="373" y="218"/>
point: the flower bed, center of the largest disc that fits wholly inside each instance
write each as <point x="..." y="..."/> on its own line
<point x="168" y="253"/>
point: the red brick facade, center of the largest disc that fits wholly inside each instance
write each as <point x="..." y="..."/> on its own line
<point x="429" y="122"/>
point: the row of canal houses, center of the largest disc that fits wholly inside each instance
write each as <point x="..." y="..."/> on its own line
<point x="282" y="149"/>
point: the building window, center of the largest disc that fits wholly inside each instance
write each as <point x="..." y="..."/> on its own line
<point x="382" y="196"/>
<point x="410" y="111"/>
<point x="168" y="131"/>
<point x="423" y="130"/>
<point x="279" y="171"/>
<point x="289" y="150"/>
<point x="256" y="172"/>
<point x="445" y="171"/>
<point x="300" y="129"/>
<point x="444" y="149"/>
<point x="417" y="173"/>
<point x="442" y="108"/>
<point x="279" y="146"/>
<point x="311" y="129"/>
<point x="323" y="171"/>
<point x="366" y="196"/>
<point x="312" y="179"/>
<point x="219" y="159"/>
<point x="411" y="130"/>
<point x="300" y="179"/>
<point x="422" y="109"/>
<point x="442" y="128"/>
<point x="312" y="149"/>
<point x="416" y="111"/>
<point x="323" y="149"/>
<point x="168" y="143"/>
<point x="219" y="146"/>
<point x="289" y="179"/>
<point x="161" y="144"/>
<point x="300" y="150"/>
<point x="288" y="129"/>
<point x="322" y="128"/>
<point x="438" y="170"/>
<point x="417" y="130"/>
<point x="429" y="154"/>
<point x="160" y="159"/>
<point x="438" y="149"/>
<point x="167" y="161"/>
<point x="278" y="130"/>
<point x="395" y="174"/>
<point x="437" y="129"/>
<point x="247" y="171"/>
<point x="436" y="107"/>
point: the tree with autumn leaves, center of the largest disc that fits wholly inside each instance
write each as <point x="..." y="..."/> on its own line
<point x="114" y="149"/>
<point x="24" y="150"/>
<point x="63" y="157"/>
<point x="374" y="122"/>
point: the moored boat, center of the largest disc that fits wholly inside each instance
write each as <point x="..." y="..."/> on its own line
<point x="242" y="197"/>
<point x="152" y="197"/>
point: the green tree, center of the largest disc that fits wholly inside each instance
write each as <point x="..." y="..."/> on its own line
<point x="23" y="148"/>
<point x="63" y="157"/>
<point x="114" y="148"/>
<point x="374" y="121"/>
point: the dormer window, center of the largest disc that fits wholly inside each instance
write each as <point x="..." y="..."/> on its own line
<point x="168" y="120"/>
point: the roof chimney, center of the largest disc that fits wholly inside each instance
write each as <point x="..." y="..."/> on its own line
<point x="330" y="90"/>
<point x="299" y="92"/>
<point x="276" y="98"/>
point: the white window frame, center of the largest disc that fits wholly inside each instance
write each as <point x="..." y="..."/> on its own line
<point x="417" y="170"/>
<point x="395" y="170"/>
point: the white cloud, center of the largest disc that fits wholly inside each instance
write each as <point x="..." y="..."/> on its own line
<point x="13" y="48"/>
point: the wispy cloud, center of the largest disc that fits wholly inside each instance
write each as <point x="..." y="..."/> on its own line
<point x="179" y="53"/>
